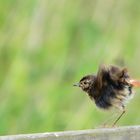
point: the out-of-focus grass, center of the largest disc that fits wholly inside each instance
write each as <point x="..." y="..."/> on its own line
<point x="46" y="46"/>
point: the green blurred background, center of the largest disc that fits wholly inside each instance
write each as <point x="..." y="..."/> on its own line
<point x="47" y="45"/>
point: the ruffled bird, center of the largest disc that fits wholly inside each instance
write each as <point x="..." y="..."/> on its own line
<point x="112" y="86"/>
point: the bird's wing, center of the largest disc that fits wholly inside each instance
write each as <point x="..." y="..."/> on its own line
<point x="123" y="76"/>
<point x="118" y="74"/>
<point x="103" y="70"/>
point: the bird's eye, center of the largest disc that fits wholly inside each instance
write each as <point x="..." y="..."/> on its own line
<point x="85" y="82"/>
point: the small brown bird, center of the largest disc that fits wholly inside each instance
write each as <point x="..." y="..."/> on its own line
<point x="111" y="87"/>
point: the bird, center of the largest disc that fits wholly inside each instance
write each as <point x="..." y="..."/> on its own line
<point x="111" y="87"/>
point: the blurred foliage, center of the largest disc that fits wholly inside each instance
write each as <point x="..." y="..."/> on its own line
<point x="46" y="46"/>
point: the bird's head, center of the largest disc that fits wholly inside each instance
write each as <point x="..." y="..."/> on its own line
<point x="86" y="83"/>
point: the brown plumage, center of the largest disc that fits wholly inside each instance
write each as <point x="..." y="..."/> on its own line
<point x="111" y="87"/>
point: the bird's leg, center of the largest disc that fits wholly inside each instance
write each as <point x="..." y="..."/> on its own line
<point x="105" y="123"/>
<point x="118" y="118"/>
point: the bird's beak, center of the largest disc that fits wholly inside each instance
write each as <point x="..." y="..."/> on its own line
<point x="76" y="84"/>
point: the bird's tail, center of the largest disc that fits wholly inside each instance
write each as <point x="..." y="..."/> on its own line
<point x="135" y="83"/>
